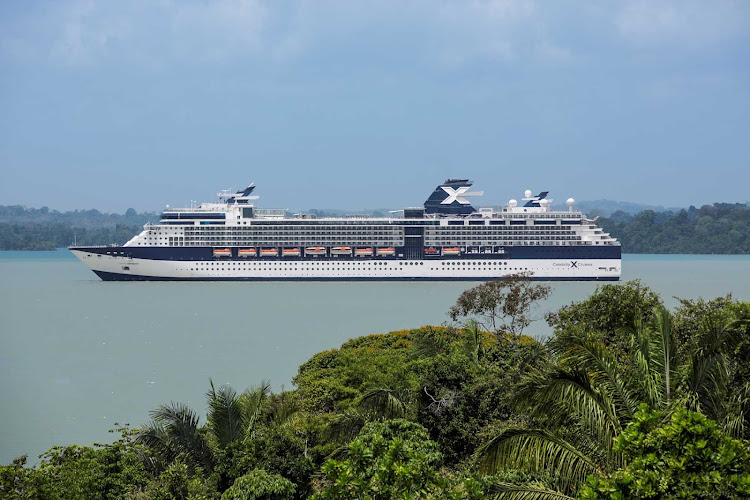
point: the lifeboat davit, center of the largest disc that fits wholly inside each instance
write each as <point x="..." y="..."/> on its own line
<point x="222" y="252"/>
<point x="341" y="250"/>
<point x="290" y="252"/>
<point x="387" y="251"/>
<point x="452" y="251"/>
<point x="247" y="252"/>
<point x="363" y="252"/>
<point x="269" y="252"/>
<point x="315" y="251"/>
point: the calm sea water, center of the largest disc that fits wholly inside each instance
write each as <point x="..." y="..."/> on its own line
<point x="79" y="354"/>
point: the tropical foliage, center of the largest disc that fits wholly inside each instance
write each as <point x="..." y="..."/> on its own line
<point x="581" y="402"/>
<point x="687" y="456"/>
<point x="625" y="400"/>
<point x="260" y="485"/>
<point x="392" y="459"/>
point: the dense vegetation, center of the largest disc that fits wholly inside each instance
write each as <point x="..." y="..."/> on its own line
<point x="625" y="400"/>
<point x="721" y="228"/>
<point x="44" y="229"/>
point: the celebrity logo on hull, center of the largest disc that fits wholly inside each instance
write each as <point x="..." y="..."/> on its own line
<point x="573" y="264"/>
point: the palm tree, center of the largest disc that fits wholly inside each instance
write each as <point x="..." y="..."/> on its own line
<point x="174" y="432"/>
<point x="588" y="397"/>
<point x="173" y="435"/>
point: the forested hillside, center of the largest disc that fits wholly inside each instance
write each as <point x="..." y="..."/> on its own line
<point x="44" y="229"/>
<point x="721" y="228"/>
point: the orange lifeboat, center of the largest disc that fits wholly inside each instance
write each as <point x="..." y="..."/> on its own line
<point x="290" y="252"/>
<point x="269" y="252"/>
<point x="222" y="252"/>
<point x="451" y="251"/>
<point x="363" y="252"/>
<point x="247" y="252"/>
<point x="387" y="251"/>
<point x="431" y="251"/>
<point x="315" y="251"/>
<point x="341" y="250"/>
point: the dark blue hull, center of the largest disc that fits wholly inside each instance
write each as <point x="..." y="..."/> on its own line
<point x="206" y="254"/>
<point x="129" y="277"/>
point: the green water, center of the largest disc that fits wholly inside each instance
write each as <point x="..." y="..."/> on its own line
<point x="79" y="354"/>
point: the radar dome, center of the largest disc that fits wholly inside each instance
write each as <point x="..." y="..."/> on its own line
<point x="544" y="203"/>
<point x="527" y="193"/>
<point x="512" y="203"/>
<point x="570" y="202"/>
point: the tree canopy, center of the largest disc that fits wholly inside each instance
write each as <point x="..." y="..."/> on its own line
<point x="626" y="400"/>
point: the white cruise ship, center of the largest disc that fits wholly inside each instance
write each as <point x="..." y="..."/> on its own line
<point x="446" y="239"/>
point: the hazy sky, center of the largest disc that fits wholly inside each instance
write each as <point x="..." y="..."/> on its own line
<point x="346" y="104"/>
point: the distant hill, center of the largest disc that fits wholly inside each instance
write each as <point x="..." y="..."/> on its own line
<point x="90" y="219"/>
<point x="24" y="228"/>
<point x="721" y="228"/>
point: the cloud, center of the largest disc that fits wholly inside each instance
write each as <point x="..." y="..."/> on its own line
<point x="449" y="35"/>
<point x="485" y="30"/>
<point x="692" y="23"/>
<point x="217" y="31"/>
<point x="85" y="32"/>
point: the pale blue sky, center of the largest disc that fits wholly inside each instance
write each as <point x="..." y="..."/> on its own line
<point x="344" y="104"/>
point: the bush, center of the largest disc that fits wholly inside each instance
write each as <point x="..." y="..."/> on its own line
<point x="686" y="457"/>
<point x="260" y="485"/>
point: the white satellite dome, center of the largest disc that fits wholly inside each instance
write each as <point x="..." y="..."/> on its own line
<point x="543" y="202"/>
<point x="527" y="193"/>
<point x="512" y="203"/>
<point x="570" y="202"/>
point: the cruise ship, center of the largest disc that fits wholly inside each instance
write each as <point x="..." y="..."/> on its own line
<point x="445" y="239"/>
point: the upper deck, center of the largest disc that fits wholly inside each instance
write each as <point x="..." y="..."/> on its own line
<point x="446" y="220"/>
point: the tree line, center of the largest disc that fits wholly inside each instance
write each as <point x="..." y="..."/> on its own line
<point x="625" y="400"/>
<point x="721" y="228"/>
<point x="24" y="228"/>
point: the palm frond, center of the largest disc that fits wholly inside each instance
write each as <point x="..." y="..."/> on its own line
<point x="646" y="359"/>
<point x="737" y="413"/>
<point x="536" y="450"/>
<point x="428" y="343"/>
<point x="706" y="381"/>
<point x="224" y="414"/>
<point x="345" y="426"/>
<point x="474" y="343"/>
<point x="504" y="491"/>
<point x="285" y="410"/>
<point x="383" y="403"/>
<point x="667" y="349"/>
<point x="561" y="396"/>
<point x="174" y="432"/>
<point x="252" y="402"/>
<point x="153" y="437"/>
<point x="587" y="352"/>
